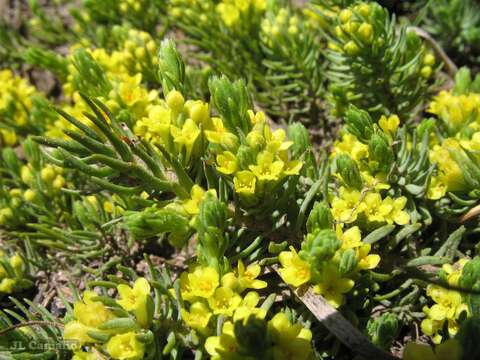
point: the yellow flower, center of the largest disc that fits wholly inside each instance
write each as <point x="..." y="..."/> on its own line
<point x="367" y="261"/>
<point x="256" y="118"/>
<point x="267" y="168"/>
<point x="197" y="317"/>
<point x="436" y="188"/>
<point x="294" y="270"/>
<point x="186" y="136"/>
<point x="333" y="286"/>
<point x="90" y="312"/>
<point x="248" y="308"/>
<point x="290" y="341"/>
<point x="247" y="278"/>
<point x="377" y="182"/>
<point x="449" y="173"/>
<point x="201" y="282"/>
<point x="373" y="208"/>
<point x="7" y="285"/>
<point x="244" y="182"/>
<point x="191" y="206"/>
<point x="156" y="127"/>
<point x="454" y="272"/>
<point x="87" y="314"/>
<point x="351" y="239"/>
<point x="276" y="140"/>
<point x="224" y="346"/>
<point x="130" y="90"/>
<point x="449" y="350"/>
<point x="220" y="135"/>
<point x="447" y="308"/>
<point x="136" y="299"/>
<point x="224" y="301"/>
<point x="125" y="347"/>
<point x="227" y="163"/>
<point x="229" y="14"/>
<point x="389" y="125"/>
<point x="347" y="206"/>
<point x="9" y="137"/>
<point x="350" y="145"/>
<point x="393" y="211"/>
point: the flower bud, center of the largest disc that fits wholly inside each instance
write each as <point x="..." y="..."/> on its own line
<point x="348" y="262"/>
<point x="59" y="182"/>
<point x="11" y="160"/>
<point x="365" y="32"/>
<point x="29" y="195"/>
<point x="16" y="261"/>
<point x="429" y="59"/>
<point x="246" y="156"/>
<point x="426" y="72"/>
<point x="345" y="15"/>
<point x="6" y="213"/>
<point x="380" y="151"/>
<point x="175" y="101"/>
<point x="320" y="218"/>
<point x="359" y="123"/>
<point x="383" y="330"/>
<point x="255" y="140"/>
<point x="213" y="213"/>
<point x="251" y="336"/>
<point x="300" y="137"/>
<point x="319" y="247"/>
<point x="363" y="9"/>
<point x="199" y="112"/>
<point x="348" y="170"/>
<point x="26" y="175"/>
<point x="47" y="174"/>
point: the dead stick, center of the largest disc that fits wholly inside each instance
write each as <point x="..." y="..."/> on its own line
<point x="343" y="330"/>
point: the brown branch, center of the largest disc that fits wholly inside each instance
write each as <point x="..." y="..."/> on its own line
<point x="470" y="214"/>
<point x="343" y="330"/>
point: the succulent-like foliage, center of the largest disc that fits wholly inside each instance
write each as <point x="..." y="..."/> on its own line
<point x="215" y="193"/>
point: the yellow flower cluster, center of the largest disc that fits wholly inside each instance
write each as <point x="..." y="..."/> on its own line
<point x="449" y="304"/>
<point x="234" y="11"/>
<point x="176" y="125"/>
<point x="357" y="28"/>
<point x="351" y="203"/>
<point x="327" y="278"/>
<point x="207" y="295"/>
<point x="258" y="165"/>
<point x="276" y="27"/>
<point x="93" y="323"/>
<point x="288" y="341"/>
<point x="449" y="176"/>
<point x="460" y="118"/>
<point x="139" y="51"/>
<point x="15" y="105"/>
<point x="12" y="273"/>
<point x="354" y="22"/>
<point x="51" y="177"/>
<point x="198" y="9"/>
<point x="457" y="111"/>
<point x="125" y="70"/>
<point x="38" y="185"/>
<point x="367" y="203"/>
<point x="127" y="6"/>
